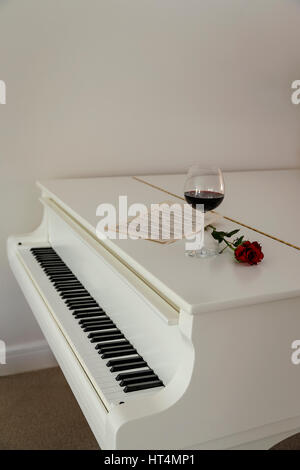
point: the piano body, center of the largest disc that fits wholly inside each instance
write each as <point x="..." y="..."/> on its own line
<point x="163" y="351"/>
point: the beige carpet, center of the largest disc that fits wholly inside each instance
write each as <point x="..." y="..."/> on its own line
<point x="39" y="411"/>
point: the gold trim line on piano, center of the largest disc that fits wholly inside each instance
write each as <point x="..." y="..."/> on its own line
<point x="112" y="253"/>
<point x="58" y="326"/>
<point x="140" y="180"/>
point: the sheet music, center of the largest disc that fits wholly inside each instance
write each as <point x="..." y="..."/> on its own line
<point x="161" y="224"/>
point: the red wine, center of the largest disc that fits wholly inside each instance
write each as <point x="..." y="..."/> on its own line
<point x="209" y="199"/>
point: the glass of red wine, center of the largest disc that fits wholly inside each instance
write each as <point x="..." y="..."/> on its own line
<point x="204" y="191"/>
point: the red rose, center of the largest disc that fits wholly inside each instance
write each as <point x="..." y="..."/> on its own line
<point x="249" y="252"/>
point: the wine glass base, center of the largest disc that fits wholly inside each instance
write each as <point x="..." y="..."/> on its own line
<point x="202" y="253"/>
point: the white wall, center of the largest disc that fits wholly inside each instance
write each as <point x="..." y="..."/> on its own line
<point x="98" y="87"/>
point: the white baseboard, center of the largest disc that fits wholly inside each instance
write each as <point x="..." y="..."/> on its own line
<point x="27" y="357"/>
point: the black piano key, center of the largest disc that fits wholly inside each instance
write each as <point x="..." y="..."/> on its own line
<point x="100" y="328"/>
<point x="102" y="339"/>
<point x="83" y="308"/>
<point x="46" y="256"/>
<point x="85" y="315"/>
<point x="112" y="346"/>
<point x="89" y="312"/>
<point x="85" y="301"/>
<point x="62" y="292"/>
<point x="59" y="276"/>
<point x="52" y="262"/>
<point x="99" y="319"/>
<point x="77" y="300"/>
<point x="71" y="285"/>
<point x="42" y="249"/>
<point x="81" y="305"/>
<point x="134" y="365"/>
<point x="137" y="380"/>
<point x="55" y="279"/>
<point x="93" y="326"/>
<point x="43" y="260"/>
<point x="55" y="262"/>
<point x="105" y="333"/>
<point x="67" y="284"/>
<point x="46" y="261"/>
<point x="142" y="386"/>
<point x="62" y="277"/>
<point x="75" y="295"/>
<point x="56" y="267"/>
<point x="80" y="308"/>
<point x="127" y="375"/>
<point x="69" y="289"/>
<point x="120" y="362"/>
<point x="58" y="273"/>
<point x="49" y="259"/>
<point x="74" y="290"/>
<point x="45" y="253"/>
<point x="125" y="346"/>
<point x="53" y="265"/>
<point x="122" y="352"/>
<point x="96" y="322"/>
<point x="55" y="275"/>
<point x="57" y="270"/>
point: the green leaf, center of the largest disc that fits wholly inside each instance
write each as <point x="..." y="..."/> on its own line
<point x="218" y="235"/>
<point x="229" y="234"/>
<point x="238" y="241"/>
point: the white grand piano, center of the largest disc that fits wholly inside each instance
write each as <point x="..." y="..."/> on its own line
<point x="163" y="351"/>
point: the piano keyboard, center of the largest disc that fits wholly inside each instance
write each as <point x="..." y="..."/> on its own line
<point x="127" y="367"/>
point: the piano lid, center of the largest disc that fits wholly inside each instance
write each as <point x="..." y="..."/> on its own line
<point x="195" y="285"/>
